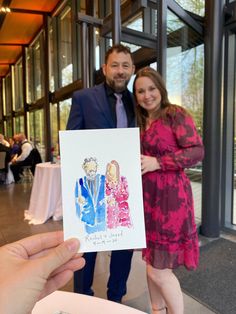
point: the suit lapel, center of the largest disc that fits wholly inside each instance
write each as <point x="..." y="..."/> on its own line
<point x="103" y="104"/>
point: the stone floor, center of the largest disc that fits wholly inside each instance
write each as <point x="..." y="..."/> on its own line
<point x="14" y="199"/>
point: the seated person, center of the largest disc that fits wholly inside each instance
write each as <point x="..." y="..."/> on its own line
<point x="23" y="159"/>
<point x="3" y="141"/>
<point x="14" y="147"/>
<point x="4" y="163"/>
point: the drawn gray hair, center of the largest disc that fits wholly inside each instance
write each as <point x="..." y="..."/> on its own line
<point x="89" y="159"/>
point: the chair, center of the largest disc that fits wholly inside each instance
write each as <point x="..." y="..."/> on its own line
<point x="2" y="167"/>
<point x="27" y="175"/>
<point x="28" y="170"/>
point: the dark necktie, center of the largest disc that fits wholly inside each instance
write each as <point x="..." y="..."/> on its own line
<point x="121" y="118"/>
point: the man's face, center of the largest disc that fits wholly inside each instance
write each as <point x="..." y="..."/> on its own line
<point x="90" y="169"/>
<point x="118" y="70"/>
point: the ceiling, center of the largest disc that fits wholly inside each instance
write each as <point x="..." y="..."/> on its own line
<point x="20" y="26"/>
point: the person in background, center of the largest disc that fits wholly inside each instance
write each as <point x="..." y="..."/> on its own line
<point x="108" y="105"/>
<point x="14" y="147"/>
<point x="169" y="144"/>
<point x="5" y="159"/>
<point x="34" y="267"/>
<point x="23" y="158"/>
<point x="3" y="141"/>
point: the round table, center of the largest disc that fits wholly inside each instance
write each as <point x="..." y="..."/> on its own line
<point x="61" y="302"/>
<point x="45" y="198"/>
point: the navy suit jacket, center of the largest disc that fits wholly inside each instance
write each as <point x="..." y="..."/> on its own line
<point x="91" y="110"/>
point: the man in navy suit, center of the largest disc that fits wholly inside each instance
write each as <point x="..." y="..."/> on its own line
<point x="96" y="108"/>
<point x="90" y="197"/>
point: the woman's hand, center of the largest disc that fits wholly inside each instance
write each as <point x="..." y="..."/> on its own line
<point x="149" y="163"/>
<point x="34" y="267"/>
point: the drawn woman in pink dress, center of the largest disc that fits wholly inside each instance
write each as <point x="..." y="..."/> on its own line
<point x="117" y="194"/>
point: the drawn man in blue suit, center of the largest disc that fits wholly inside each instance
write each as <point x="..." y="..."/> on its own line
<point x="98" y="108"/>
<point x="90" y="197"/>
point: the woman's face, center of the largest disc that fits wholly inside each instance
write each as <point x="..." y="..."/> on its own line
<point x="147" y="94"/>
<point x="111" y="172"/>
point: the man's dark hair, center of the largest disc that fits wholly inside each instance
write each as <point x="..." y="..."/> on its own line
<point x="118" y="48"/>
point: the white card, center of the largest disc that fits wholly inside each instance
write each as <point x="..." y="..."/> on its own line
<point x="102" y="188"/>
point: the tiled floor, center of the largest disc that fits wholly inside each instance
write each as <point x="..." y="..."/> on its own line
<point x="14" y="200"/>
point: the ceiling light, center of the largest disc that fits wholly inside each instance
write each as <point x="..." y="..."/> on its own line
<point x="5" y="9"/>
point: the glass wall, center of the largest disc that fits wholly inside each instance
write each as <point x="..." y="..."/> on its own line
<point x="18" y="86"/>
<point x="65" y="47"/>
<point x="59" y="114"/>
<point x="29" y="76"/>
<point x="36" y="130"/>
<point x="54" y="130"/>
<point x="194" y="6"/>
<point x="52" y="57"/>
<point x="19" y="124"/>
<point x="8" y="95"/>
<point x="185" y="81"/>
<point x="38" y="69"/>
<point x="64" y="112"/>
<point x="34" y="71"/>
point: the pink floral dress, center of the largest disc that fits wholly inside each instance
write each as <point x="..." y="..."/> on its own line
<point x="118" y="212"/>
<point x="171" y="233"/>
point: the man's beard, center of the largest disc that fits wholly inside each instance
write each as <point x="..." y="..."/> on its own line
<point x="118" y="88"/>
<point x="91" y="175"/>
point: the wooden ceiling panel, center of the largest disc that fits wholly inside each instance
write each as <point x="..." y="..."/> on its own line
<point x="20" y="27"/>
<point x="38" y="5"/>
<point x="8" y="54"/>
<point x="23" y="28"/>
<point x="3" y="70"/>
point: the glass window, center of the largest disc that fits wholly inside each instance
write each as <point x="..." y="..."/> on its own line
<point x="18" y="84"/>
<point x="97" y="49"/>
<point x="38" y="86"/>
<point x="8" y="127"/>
<point x="29" y="76"/>
<point x="51" y="58"/>
<point x="36" y="130"/>
<point x="185" y="82"/>
<point x="4" y="95"/>
<point x="136" y="23"/>
<point x="64" y="113"/>
<point x="65" y="47"/>
<point x="64" y="110"/>
<point x="19" y="124"/>
<point x="54" y="130"/>
<point x="194" y="6"/>
<point x="8" y="95"/>
<point x="34" y="71"/>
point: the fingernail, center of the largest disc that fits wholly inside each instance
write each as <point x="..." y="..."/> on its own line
<point x="72" y="245"/>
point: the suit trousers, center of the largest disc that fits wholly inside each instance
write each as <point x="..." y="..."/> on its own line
<point x="120" y="265"/>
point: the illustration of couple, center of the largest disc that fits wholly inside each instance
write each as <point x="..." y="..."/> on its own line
<point x="102" y="200"/>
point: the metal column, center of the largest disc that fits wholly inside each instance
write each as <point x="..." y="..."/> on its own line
<point x="211" y="181"/>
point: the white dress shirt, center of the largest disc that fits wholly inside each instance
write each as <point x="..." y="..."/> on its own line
<point x="26" y="148"/>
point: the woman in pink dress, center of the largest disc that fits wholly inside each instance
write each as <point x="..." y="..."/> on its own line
<point x="170" y="143"/>
<point x="117" y="194"/>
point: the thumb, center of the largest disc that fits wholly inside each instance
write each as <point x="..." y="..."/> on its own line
<point x="60" y="255"/>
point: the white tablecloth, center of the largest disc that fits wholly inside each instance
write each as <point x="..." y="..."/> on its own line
<point x="9" y="177"/>
<point x="45" y="198"/>
<point x="61" y="302"/>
